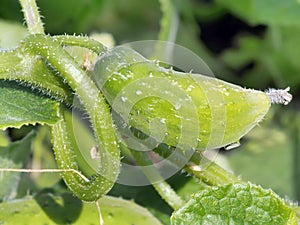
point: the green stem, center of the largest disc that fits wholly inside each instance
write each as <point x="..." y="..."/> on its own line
<point x="80" y="41"/>
<point x="97" y="109"/>
<point x="87" y="190"/>
<point x="211" y="173"/>
<point x="169" y="21"/>
<point x="32" y="16"/>
<point x="160" y="185"/>
<point x="168" y="30"/>
<point x="31" y="71"/>
<point x="22" y="66"/>
<point x="77" y="79"/>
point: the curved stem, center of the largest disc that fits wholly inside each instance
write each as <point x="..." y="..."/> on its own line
<point x="160" y="185"/>
<point x="30" y="70"/>
<point x="98" y="111"/>
<point x="32" y="16"/>
<point x="211" y="174"/>
<point x="81" y="41"/>
<point x="20" y="65"/>
<point x="87" y="190"/>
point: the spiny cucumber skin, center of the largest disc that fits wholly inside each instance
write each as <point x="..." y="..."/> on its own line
<point x="224" y="112"/>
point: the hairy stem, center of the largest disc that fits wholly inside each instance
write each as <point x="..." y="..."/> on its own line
<point x="31" y="70"/>
<point x="80" y="41"/>
<point x="97" y="109"/>
<point x="26" y="67"/>
<point x="32" y="16"/>
<point x="87" y="190"/>
<point x="209" y="173"/>
<point x="160" y="185"/>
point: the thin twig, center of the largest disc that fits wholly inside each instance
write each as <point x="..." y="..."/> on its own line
<point x="101" y="221"/>
<point x="32" y="16"/>
<point x="44" y="171"/>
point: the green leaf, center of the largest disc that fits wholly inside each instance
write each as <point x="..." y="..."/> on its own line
<point x="66" y="209"/>
<point x="269" y="12"/>
<point x="235" y="204"/>
<point x="20" y="107"/>
<point x="13" y="156"/>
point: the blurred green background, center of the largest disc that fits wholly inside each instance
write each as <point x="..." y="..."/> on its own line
<point x="253" y="43"/>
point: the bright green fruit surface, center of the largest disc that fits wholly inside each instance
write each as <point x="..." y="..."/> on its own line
<point x="181" y="109"/>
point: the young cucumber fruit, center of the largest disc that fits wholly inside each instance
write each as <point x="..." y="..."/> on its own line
<point x="180" y="109"/>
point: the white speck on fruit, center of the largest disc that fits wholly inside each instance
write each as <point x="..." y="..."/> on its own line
<point x="123" y="99"/>
<point x="178" y="116"/>
<point x="121" y="76"/>
<point x="190" y="88"/>
<point x="195" y="167"/>
<point x="177" y="106"/>
<point x="174" y="82"/>
<point x="138" y="92"/>
<point x="94" y="153"/>
<point x="163" y="120"/>
<point x="129" y="73"/>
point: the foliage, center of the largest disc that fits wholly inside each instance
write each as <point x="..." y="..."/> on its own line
<point x="66" y="209"/>
<point x="237" y="204"/>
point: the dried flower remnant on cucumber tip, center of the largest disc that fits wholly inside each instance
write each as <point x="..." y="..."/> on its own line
<point x="279" y="96"/>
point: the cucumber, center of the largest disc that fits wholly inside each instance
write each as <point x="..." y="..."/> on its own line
<point x="179" y="109"/>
